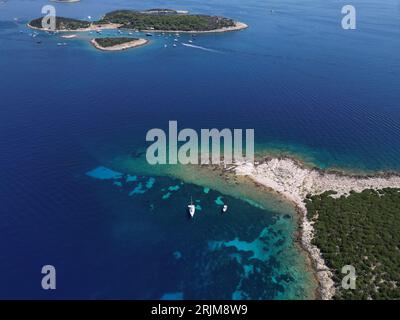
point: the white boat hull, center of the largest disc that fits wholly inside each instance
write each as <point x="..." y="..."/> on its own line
<point x="192" y="210"/>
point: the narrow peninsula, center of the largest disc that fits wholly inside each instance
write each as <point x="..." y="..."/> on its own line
<point x="347" y="219"/>
<point x="68" y="24"/>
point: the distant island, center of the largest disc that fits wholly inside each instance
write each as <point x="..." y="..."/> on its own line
<point x="66" y="1"/>
<point x="118" y="43"/>
<point x="155" y="20"/>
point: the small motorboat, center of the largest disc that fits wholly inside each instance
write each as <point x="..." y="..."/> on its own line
<point x="224" y="208"/>
<point x="192" y="208"/>
<point x="149" y="35"/>
<point x="174" y="45"/>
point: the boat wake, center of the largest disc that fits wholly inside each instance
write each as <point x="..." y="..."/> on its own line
<point x="199" y="47"/>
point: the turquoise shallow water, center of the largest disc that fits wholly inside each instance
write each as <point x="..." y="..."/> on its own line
<point x="116" y="230"/>
<point x="246" y="253"/>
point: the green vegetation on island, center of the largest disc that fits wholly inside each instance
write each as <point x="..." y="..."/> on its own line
<point x="111" y="42"/>
<point x="362" y="230"/>
<point x="164" y="19"/>
<point x="63" y="23"/>
<point x="153" y="19"/>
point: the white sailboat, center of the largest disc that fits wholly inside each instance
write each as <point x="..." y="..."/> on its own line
<point x="191" y="208"/>
<point x="224" y="208"/>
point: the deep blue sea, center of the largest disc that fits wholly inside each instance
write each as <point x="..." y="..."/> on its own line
<point x="113" y="229"/>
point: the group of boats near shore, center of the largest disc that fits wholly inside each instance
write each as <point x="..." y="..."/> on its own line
<point x="176" y="36"/>
<point x="126" y="30"/>
<point x="192" y="208"/>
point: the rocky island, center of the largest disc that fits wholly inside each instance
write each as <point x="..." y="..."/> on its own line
<point x="155" y="20"/>
<point x="118" y="43"/>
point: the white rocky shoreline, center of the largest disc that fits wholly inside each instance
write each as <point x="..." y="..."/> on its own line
<point x="294" y="181"/>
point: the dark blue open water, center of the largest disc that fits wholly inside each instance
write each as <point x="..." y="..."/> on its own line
<point x="305" y="85"/>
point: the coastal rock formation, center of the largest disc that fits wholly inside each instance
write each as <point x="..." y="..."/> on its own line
<point x="294" y="181"/>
